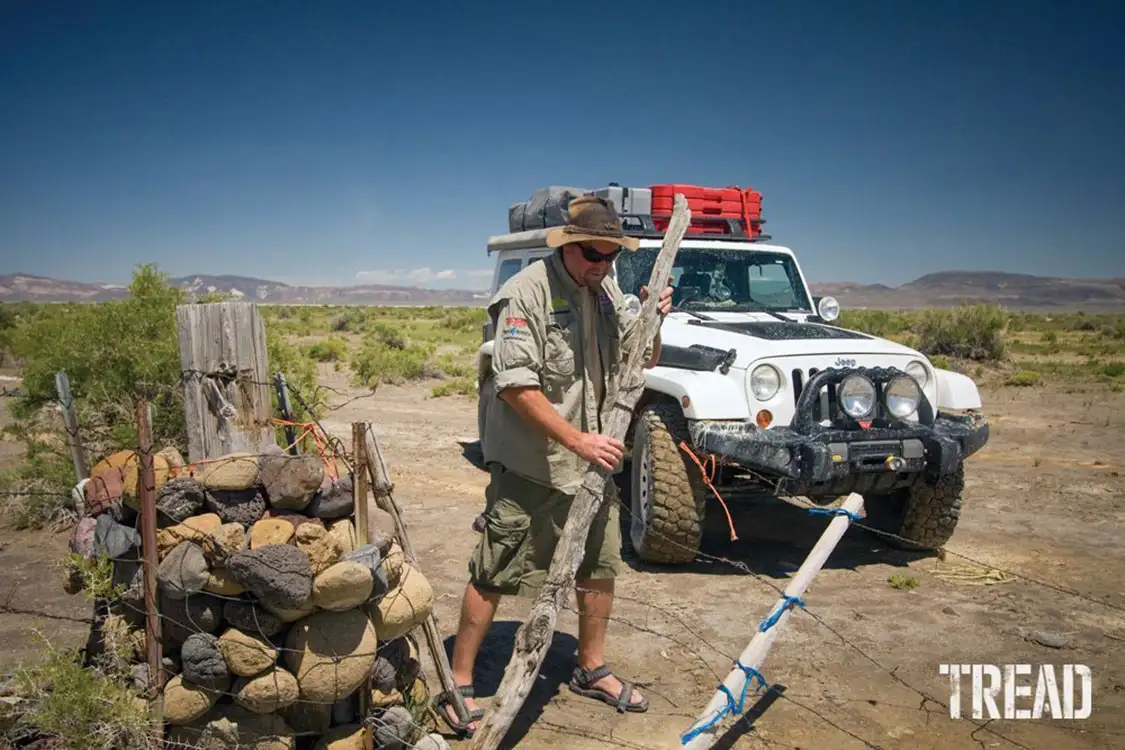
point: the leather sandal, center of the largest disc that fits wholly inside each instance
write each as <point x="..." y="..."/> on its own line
<point x="443" y="701"/>
<point x="581" y="681"/>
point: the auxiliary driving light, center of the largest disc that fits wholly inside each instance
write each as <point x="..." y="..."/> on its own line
<point x="857" y="396"/>
<point x="902" y="396"/>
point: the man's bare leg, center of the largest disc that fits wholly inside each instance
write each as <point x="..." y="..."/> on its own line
<point x="595" y="603"/>
<point x="478" y="608"/>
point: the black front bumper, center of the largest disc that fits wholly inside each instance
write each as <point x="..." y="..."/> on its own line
<point x="814" y="454"/>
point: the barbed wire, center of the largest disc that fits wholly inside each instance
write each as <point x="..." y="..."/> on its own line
<point x="688" y="645"/>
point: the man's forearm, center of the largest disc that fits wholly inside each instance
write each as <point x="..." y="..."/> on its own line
<point x="535" y="409"/>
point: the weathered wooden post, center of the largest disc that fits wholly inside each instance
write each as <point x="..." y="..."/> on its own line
<point x="225" y="368"/>
<point x="146" y="488"/>
<point x="70" y="419"/>
<point x="535" y="634"/>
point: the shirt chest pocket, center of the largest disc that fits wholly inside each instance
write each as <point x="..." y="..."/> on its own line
<point x="559" y="365"/>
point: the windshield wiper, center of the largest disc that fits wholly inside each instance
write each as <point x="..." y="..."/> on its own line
<point x="701" y="316"/>
<point x="763" y="309"/>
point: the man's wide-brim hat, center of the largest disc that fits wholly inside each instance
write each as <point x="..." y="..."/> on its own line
<point x="589" y="219"/>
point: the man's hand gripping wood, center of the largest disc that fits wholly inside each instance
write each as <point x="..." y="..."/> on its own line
<point x="535" y="634"/>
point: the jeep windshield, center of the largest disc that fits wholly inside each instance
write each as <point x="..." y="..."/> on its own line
<point x="721" y="280"/>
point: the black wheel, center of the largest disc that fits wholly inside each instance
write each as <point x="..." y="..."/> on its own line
<point x="667" y="500"/>
<point x="921" y="517"/>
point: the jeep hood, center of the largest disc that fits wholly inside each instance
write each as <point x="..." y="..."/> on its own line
<point x="762" y="336"/>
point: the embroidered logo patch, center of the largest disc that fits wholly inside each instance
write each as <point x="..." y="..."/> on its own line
<point x="514" y="327"/>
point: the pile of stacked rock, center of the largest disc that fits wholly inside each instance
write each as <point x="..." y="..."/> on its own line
<point x="275" y="615"/>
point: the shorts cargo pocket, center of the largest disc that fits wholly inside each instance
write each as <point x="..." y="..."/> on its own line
<point x="498" y="561"/>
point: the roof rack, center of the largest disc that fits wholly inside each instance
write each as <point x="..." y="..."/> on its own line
<point x="643" y="226"/>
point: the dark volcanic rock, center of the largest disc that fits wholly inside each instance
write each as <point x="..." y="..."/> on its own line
<point x="203" y="662"/>
<point x="280" y="575"/>
<point x="333" y="499"/>
<point x="290" y="481"/>
<point x="237" y="506"/>
<point x="248" y="617"/>
<point x="177" y="500"/>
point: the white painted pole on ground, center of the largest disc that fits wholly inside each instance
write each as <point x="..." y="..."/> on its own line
<point x="759" y="646"/>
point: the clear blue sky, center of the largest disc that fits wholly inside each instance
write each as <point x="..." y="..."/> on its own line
<point x="342" y="142"/>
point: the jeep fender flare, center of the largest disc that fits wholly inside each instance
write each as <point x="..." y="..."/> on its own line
<point x="956" y="392"/>
<point x="710" y="395"/>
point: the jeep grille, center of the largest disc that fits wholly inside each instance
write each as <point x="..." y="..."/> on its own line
<point x="825" y="406"/>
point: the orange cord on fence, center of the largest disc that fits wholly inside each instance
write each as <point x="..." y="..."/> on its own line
<point x="708" y="476"/>
<point x="310" y="429"/>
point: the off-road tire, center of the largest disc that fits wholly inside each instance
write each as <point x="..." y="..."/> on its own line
<point x="667" y="495"/>
<point x="923" y="516"/>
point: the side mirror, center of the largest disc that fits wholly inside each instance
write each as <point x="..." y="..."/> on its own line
<point x="827" y="308"/>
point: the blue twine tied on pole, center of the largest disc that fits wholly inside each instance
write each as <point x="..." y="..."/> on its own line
<point x="835" y="512"/>
<point x="732" y="706"/>
<point x="787" y="602"/>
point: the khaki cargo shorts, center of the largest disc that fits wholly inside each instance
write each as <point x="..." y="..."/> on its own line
<point x="523" y="522"/>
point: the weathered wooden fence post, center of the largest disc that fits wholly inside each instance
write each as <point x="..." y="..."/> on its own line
<point x="535" y="634"/>
<point x="225" y="368"/>
<point x="70" y="419"/>
<point x="146" y="488"/>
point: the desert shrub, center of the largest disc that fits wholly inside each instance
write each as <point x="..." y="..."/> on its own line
<point x="966" y="332"/>
<point x="376" y="362"/>
<point x="881" y="323"/>
<point x="1113" y="369"/>
<point x="1024" y="378"/>
<point x="330" y="350"/>
<point x="388" y="335"/>
<point x="78" y="708"/>
<point x="462" y="386"/>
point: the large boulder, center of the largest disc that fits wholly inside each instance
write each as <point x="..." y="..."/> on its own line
<point x="279" y="575"/>
<point x="246" y="654"/>
<point x="251" y="618"/>
<point x="369" y="557"/>
<point x="271" y="531"/>
<point x="343" y="531"/>
<point x="185" y="702"/>
<point x="220" y="583"/>
<point x="223" y="542"/>
<point x="179" y="499"/>
<point x="234" y="471"/>
<point x="323" y="551"/>
<point x="114" y="540"/>
<point x="331" y="654"/>
<point x="244" y="506"/>
<point x="183" y="571"/>
<point x="333" y="499"/>
<point x="202" y="661"/>
<point x="192" y="529"/>
<point x="293" y="517"/>
<point x="343" y="737"/>
<point x="268" y="692"/>
<point x="290" y="481"/>
<point x="232" y="726"/>
<point x="395" y="729"/>
<point x="404" y="606"/>
<point x="181" y="618"/>
<point x="343" y="586"/>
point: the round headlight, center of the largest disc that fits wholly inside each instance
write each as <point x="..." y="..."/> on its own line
<point x="857" y="396"/>
<point x="918" y="371"/>
<point x="903" y="395"/>
<point x="828" y="309"/>
<point x="765" y="381"/>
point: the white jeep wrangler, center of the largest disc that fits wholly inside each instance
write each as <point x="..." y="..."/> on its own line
<point x="772" y="399"/>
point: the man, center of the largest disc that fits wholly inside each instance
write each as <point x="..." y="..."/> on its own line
<point x="561" y="330"/>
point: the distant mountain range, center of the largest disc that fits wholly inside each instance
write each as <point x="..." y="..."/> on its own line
<point x="1013" y="290"/>
<point x="24" y="287"/>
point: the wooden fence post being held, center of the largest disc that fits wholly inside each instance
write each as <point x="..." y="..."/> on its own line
<point x="70" y="419"/>
<point x="146" y="489"/>
<point x="704" y="731"/>
<point x="535" y="635"/>
<point x="381" y="483"/>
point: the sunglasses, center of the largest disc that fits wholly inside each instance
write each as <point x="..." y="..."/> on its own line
<point x="593" y="256"/>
